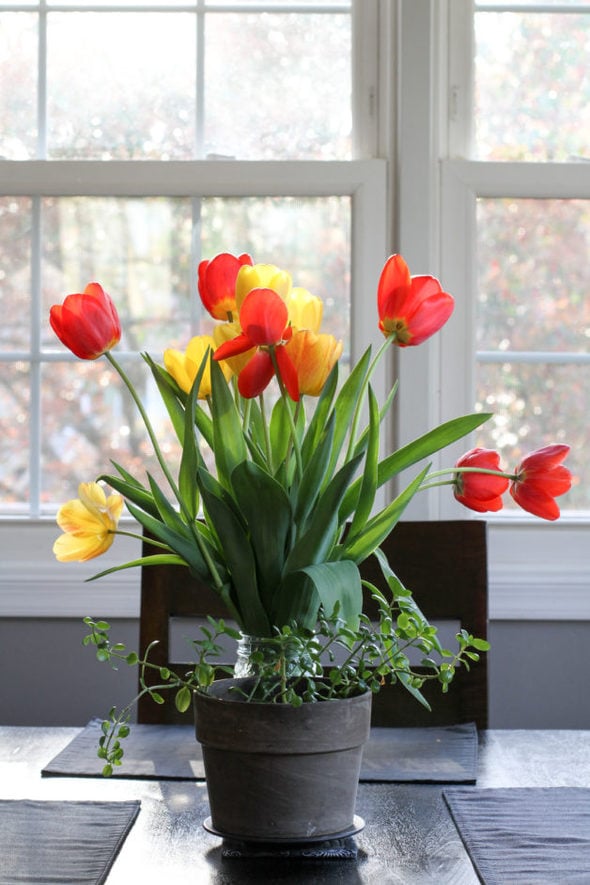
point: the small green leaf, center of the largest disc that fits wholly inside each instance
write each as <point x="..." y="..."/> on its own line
<point x="183" y="699"/>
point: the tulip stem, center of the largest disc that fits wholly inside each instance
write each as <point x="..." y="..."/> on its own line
<point x="267" y="445"/>
<point x="485" y="470"/>
<point x="139" y="537"/>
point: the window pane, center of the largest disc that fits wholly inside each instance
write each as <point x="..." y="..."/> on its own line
<point x="18" y="86"/>
<point x="303" y="108"/>
<point x="532" y="86"/>
<point x="14" y="436"/>
<point x="533" y="285"/>
<point x="138" y="249"/>
<point x="15" y="273"/>
<point x="88" y="419"/>
<point x="308" y="236"/>
<point x="534" y="275"/>
<point x="535" y="405"/>
<point x="121" y="85"/>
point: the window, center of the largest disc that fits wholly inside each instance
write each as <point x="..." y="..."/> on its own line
<point x="496" y="200"/>
<point x="139" y="137"/>
<point x="520" y="182"/>
<point x="137" y="140"/>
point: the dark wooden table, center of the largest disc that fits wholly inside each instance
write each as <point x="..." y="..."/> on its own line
<point x="409" y="836"/>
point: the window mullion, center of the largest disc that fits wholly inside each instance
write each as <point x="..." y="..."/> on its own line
<point x="42" y="82"/>
<point x="35" y="364"/>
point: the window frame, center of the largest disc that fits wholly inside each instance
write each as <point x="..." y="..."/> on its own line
<point x="528" y="558"/>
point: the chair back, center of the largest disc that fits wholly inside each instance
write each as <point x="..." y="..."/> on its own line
<point x="444" y="564"/>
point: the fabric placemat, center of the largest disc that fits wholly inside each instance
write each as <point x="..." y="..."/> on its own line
<point x="44" y="842"/>
<point x="532" y="835"/>
<point x="171" y="752"/>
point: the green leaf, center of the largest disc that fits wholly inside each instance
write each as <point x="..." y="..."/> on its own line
<point x="406" y="681"/>
<point x="415" y="451"/>
<point x="314" y="475"/>
<point x="183" y="544"/>
<point x="265" y="506"/>
<point x="237" y="553"/>
<point x="132" y="491"/>
<point x="183" y="699"/>
<point x="359" y="546"/>
<point x="228" y="438"/>
<point x="369" y="477"/>
<point x="328" y="584"/>
<point x="171" y="394"/>
<point x="281" y="442"/>
<point x="316" y="543"/>
<point x="191" y="456"/>
<point x="319" y="418"/>
<point x="346" y="404"/>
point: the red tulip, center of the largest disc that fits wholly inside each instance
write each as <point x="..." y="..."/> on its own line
<point x="480" y="491"/>
<point x="411" y="309"/>
<point x="87" y="322"/>
<point x="541" y="477"/>
<point x="264" y="323"/>
<point x="217" y="283"/>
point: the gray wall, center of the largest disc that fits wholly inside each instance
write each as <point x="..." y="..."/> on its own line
<point x="539" y="673"/>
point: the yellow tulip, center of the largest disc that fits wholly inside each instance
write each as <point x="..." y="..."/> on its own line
<point x="89" y="523"/>
<point x="262" y="276"/>
<point x="305" y="309"/>
<point x="184" y="367"/>
<point x="314" y="357"/>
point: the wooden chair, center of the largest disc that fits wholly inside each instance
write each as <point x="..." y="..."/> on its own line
<point x="443" y="563"/>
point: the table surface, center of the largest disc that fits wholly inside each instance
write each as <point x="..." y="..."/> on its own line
<point x="409" y="837"/>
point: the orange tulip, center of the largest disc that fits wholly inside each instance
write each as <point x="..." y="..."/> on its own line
<point x="87" y="322"/>
<point x="313" y="356"/>
<point x="217" y="283"/>
<point x="411" y="309"/>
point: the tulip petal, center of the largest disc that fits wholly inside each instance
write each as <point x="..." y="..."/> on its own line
<point x="263" y="317"/>
<point x="395" y="275"/>
<point x="237" y="345"/>
<point x="287" y="372"/>
<point x="256" y="376"/>
<point x="535" y="501"/>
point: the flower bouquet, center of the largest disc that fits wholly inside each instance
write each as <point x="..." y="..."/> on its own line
<point x="274" y="506"/>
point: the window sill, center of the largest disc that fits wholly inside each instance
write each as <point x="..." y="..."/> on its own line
<point x="537" y="572"/>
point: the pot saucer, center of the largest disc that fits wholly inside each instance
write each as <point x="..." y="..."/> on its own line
<point x="358" y="824"/>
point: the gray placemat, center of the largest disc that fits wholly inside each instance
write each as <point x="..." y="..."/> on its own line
<point x="537" y="836"/>
<point x="171" y="752"/>
<point x="66" y="842"/>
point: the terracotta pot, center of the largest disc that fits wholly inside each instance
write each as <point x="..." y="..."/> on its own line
<point x="281" y="773"/>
